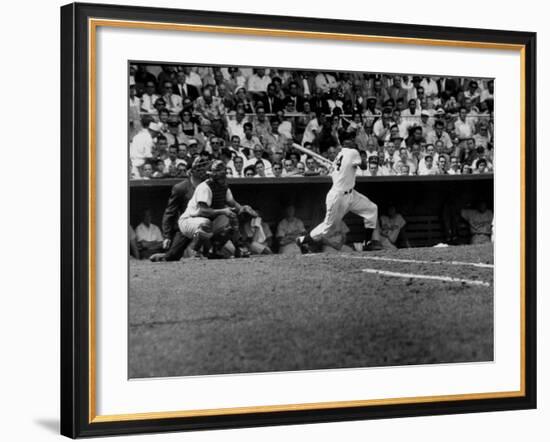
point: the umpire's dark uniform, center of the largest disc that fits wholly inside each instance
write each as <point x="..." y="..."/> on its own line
<point x="177" y="203"/>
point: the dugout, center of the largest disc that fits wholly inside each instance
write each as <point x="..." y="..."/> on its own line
<point x="420" y="199"/>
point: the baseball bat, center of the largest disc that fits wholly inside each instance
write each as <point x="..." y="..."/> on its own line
<point x="315" y="155"/>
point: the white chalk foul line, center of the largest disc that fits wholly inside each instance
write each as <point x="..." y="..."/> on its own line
<point x="417" y="261"/>
<point x="431" y="277"/>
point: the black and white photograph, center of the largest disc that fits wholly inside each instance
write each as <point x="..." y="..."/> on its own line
<point x="293" y="219"/>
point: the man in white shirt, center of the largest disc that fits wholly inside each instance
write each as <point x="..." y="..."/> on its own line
<point x="325" y="82"/>
<point x="173" y="101"/>
<point x="172" y="162"/>
<point x="148" y="98"/>
<point x="463" y="126"/>
<point x="430" y="87"/>
<point x="148" y="236"/>
<point x="438" y="134"/>
<point x="192" y="78"/>
<point x="141" y="147"/>
<point x="235" y="126"/>
<point x="258" y="82"/>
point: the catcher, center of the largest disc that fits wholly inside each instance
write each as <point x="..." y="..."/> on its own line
<point x="211" y="217"/>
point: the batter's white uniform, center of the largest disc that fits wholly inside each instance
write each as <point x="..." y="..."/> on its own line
<point x="342" y="198"/>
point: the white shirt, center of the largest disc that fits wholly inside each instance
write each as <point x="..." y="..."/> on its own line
<point x="168" y="162"/>
<point x="174" y="103"/>
<point x="345" y="164"/>
<point x="148" y="103"/>
<point x="194" y="79"/>
<point x="463" y="128"/>
<point x="141" y="147"/>
<point x="236" y="128"/>
<point x="258" y="84"/>
<point x="311" y="129"/>
<point x="151" y="233"/>
<point x="203" y="194"/>
<point x="430" y="87"/>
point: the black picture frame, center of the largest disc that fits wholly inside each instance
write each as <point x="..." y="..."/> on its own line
<point x="75" y="219"/>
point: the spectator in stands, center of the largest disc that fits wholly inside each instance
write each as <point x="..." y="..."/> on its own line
<point x="173" y="101"/>
<point x="147" y="172"/>
<point x="172" y="162"/>
<point x="184" y="89"/>
<point x="480" y="222"/>
<point x="209" y="108"/>
<point x="464" y="126"/>
<point x="374" y="169"/>
<point x="300" y="169"/>
<point x="237" y="165"/>
<point x="258" y="82"/>
<point x="411" y="115"/>
<point x="250" y="171"/>
<point x="288" y="230"/>
<point x="441" y="165"/>
<point x="391" y="229"/>
<point x="481" y="167"/>
<point x="148" y="236"/>
<point x="311" y="167"/>
<point x="141" y="148"/>
<point x="289" y="168"/>
<point x="159" y="169"/>
<point x="277" y="169"/>
<point x="148" y="98"/>
<point x="249" y="141"/>
<point x="235" y="126"/>
<point x="325" y="81"/>
<point x="454" y="166"/>
<point x="135" y="106"/>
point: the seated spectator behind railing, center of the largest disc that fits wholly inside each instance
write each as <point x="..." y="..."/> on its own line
<point x="250" y="171"/>
<point x="147" y="171"/>
<point x="171" y="163"/>
<point x="480" y="222"/>
<point x="159" y="169"/>
<point x="373" y="167"/>
<point x="277" y="169"/>
<point x="148" y="236"/>
<point x="237" y="164"/>
<point x="288" y="230"/>
<point x="427" y="166"/>
<point x="391" y="229"/>
<point x="311" y="167"/>
<point x="141" y="148"/>
<point x="289" y="169"/>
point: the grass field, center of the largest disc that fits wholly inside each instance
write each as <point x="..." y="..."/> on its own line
<point x="280" y="313"/>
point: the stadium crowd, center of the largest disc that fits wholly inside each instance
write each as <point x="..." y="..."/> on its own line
<point x="249" y="119"/>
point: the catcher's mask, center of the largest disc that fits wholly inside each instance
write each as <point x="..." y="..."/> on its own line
<point x="199" y="167"/>
<point x="217" y="170"/>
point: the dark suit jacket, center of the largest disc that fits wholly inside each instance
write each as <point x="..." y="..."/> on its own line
<point x="177" y="203"/>
<point x="299" y="102"/>
<point x="275" y="106"/>
<point x="192" y="91"/>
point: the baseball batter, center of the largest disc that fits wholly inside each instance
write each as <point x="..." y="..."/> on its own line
<point x="341" y="199"/>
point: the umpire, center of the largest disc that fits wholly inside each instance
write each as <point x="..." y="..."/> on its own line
<point x="174" y="242"/>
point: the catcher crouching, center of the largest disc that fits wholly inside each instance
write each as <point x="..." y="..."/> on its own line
<point x="211" y="218"/>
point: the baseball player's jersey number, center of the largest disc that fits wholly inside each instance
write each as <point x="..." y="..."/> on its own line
<point x="339" y="162"/>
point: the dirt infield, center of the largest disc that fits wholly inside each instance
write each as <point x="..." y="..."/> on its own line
<point x="279" y="313"/>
